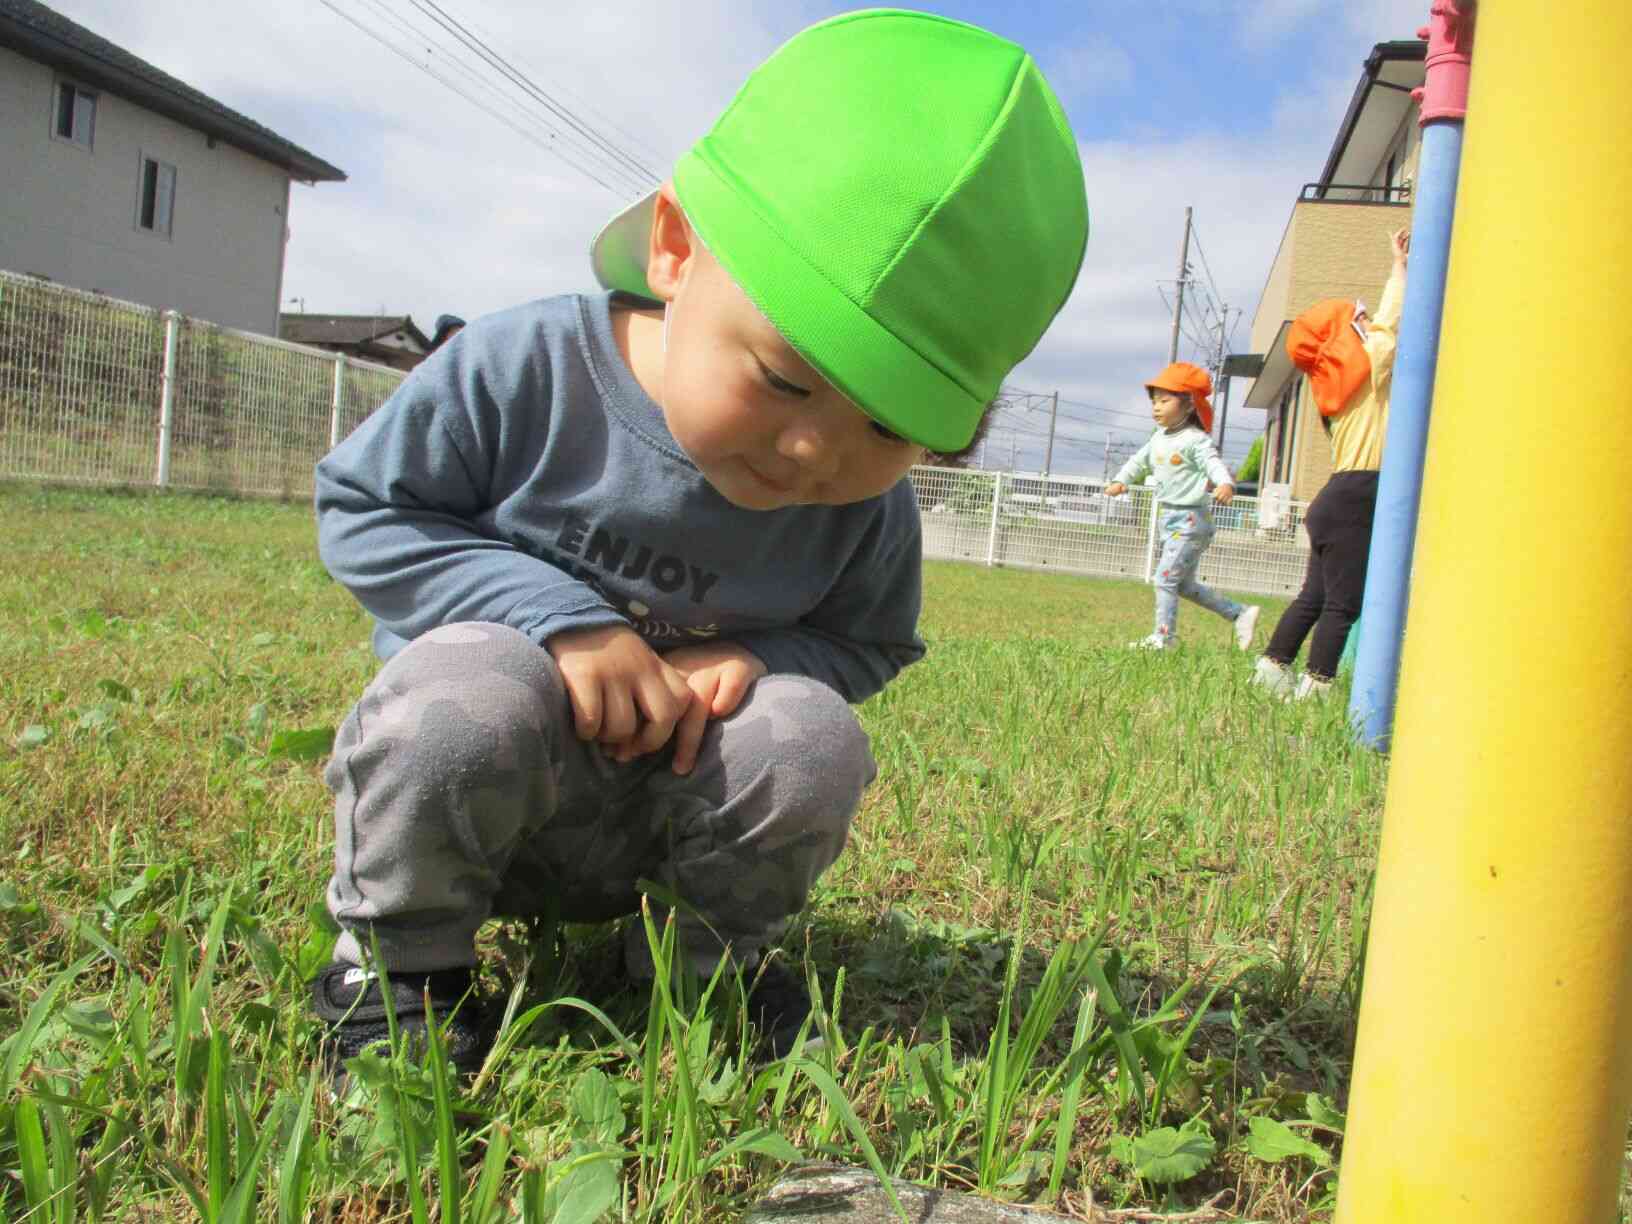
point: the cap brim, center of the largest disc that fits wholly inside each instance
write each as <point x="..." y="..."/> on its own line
<point x="618" y="254"/>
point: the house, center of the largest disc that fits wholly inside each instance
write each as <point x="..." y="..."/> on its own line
<point x="391" y="340"/>
<point x="1335" y="246"/>
<point x="121" y="179"/>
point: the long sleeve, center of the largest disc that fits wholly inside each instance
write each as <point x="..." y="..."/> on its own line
<point x="401" y="500"/>
<point x="1382" y="335"/>
<point x="1206" y="454"/>
<point x="864" y="631"/>
<point x="1136" y="468"/>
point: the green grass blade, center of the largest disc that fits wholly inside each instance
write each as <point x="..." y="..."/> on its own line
<point x="838" y="1103"/>
<point x="21" y="1044"/>
<point x="217" y="1136"/>
<point x="447" y="1139"/>
<point x="1131" y="1082"/>
<point x="239" y="1206"/>
<point x="31" y="1154"/>
<point x="294" y="1173"/>
<point x="1065" y="1126"/>
<point x="484" y="1205"/>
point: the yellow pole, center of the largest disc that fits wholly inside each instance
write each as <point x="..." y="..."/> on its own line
<point x="1492" y="1078"/>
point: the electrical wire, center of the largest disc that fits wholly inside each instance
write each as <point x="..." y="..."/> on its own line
<point x="598" y="169"/>
<point x="617" y="155"/>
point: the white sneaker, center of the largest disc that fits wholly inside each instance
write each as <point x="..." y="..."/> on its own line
<point x="1246" y="625"/>
<point x="1153" y="642"/>
<point x="1272" y="676"/>
<point x="1310" y="687"/>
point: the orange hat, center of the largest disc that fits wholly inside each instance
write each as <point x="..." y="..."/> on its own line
<point x="1324" y="343"/>
<point x="1182" y="378"/>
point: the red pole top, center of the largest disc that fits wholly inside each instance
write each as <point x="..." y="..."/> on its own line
<point x="1444" y="94"/>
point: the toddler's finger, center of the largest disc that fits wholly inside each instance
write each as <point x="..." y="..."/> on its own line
<point x="688" y="736"/>
<point x="587" y="708"/>
<point x="733" y="688"/>
<point x="618" y="720"/>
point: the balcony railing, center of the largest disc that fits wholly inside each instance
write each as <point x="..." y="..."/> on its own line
<point x="1320" y="193"/>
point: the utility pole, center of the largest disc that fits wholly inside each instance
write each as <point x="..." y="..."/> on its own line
<point x="1178" y="301"/>
<point x="1107" y="458"/>
<point x="1053" y="414"/>
<point x="1011" y="450"/>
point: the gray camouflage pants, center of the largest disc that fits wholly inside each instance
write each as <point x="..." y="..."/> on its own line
<point x="462" y="793"/>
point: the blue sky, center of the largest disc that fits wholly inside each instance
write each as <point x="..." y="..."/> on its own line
<point x="1224" y="105"/>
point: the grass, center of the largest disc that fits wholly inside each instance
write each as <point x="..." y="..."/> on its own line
<point x="1095" y="943"/>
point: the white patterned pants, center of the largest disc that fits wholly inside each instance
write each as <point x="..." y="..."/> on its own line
<point x="1186" y="531"/>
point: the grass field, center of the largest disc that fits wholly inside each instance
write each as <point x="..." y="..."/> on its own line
<point x="1095" y="943"/>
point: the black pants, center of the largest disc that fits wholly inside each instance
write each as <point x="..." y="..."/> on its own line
<point x="1339" y="526"/>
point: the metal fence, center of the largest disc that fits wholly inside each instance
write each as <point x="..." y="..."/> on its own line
<point x="1070" y="525"/>
<point x="99" y="391"/>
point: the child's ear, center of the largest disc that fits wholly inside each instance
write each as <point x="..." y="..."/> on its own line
<point x="672" y="245"/>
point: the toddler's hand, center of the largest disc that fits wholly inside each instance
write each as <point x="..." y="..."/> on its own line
<point x="719" y="675"/>
<point x="1223" y="494"/>
<point x="623" y="695"/>
<point x="1115" y="489"/>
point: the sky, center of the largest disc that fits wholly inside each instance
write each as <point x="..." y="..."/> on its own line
<point x="1225" y="106"/>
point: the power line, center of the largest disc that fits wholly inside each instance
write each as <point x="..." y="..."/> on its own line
<point x="589" y="159"/>
<point x="481" y="80"/>
<point x="454" y="26"/>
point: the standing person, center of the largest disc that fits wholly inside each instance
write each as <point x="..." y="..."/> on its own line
<point x="1348" y="355"/>
<point x="630" y="555"/>
<point x="1183" y="458"/>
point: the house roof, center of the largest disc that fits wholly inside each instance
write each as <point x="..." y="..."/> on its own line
<point x="345" y="329"/>
<point x="1381" y="101"/>
<point x="43" y="34"/>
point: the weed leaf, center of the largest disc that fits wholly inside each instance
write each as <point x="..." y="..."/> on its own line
<point x="312" y="744"/>
<point x="1275" y="1141"/>
<point x="1166" y="1155"/>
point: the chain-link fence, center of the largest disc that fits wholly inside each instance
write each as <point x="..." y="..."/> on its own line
<point x="99" y="391"/>
<point x="999" y="518"/>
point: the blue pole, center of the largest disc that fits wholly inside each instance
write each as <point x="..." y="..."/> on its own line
<point x="1399" y="489"/>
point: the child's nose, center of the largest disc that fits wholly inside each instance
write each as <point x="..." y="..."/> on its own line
<point x="813" y="445"/>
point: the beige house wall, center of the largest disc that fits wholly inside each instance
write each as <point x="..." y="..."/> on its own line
<point x="70" y="213"/>
<point x="1312" y="465"/>
<point x="1268" y="319"/>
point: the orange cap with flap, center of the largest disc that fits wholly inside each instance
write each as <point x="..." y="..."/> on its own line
<point x="1182" y="378"/>
<point x="1324" y="343"/>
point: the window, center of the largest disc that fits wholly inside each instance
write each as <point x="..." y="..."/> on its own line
<point x="158" y="196"/>
<point x="76" y="114"/>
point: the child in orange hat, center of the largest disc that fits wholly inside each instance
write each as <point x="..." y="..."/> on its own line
<point x="1348" y="357"/>
<point x="1183" y="459"/>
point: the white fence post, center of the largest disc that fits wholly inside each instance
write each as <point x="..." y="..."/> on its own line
<point x="339" y="398"/>
<point x="991" y="536"/>
<point x="167" y="397"/>
<point x="1150" y="540"/>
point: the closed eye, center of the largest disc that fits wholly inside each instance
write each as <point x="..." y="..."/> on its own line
<point x="888" y="434"/>
<point x="780" y="384"/>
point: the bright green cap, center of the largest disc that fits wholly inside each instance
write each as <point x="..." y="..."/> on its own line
<point x="900" y="195"/>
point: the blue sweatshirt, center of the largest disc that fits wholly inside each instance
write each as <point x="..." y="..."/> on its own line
<point x="520" y="475"/>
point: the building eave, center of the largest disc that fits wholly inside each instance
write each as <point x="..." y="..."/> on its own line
<point x="1384" y="53"/>
<point x="86" y="65"/>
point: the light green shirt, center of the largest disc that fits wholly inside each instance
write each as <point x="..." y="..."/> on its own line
<point x="1182" y="463"/>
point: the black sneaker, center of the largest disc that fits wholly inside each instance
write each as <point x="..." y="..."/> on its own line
<point x="349" y="1000"/>
<point x="778" y="1004"/>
